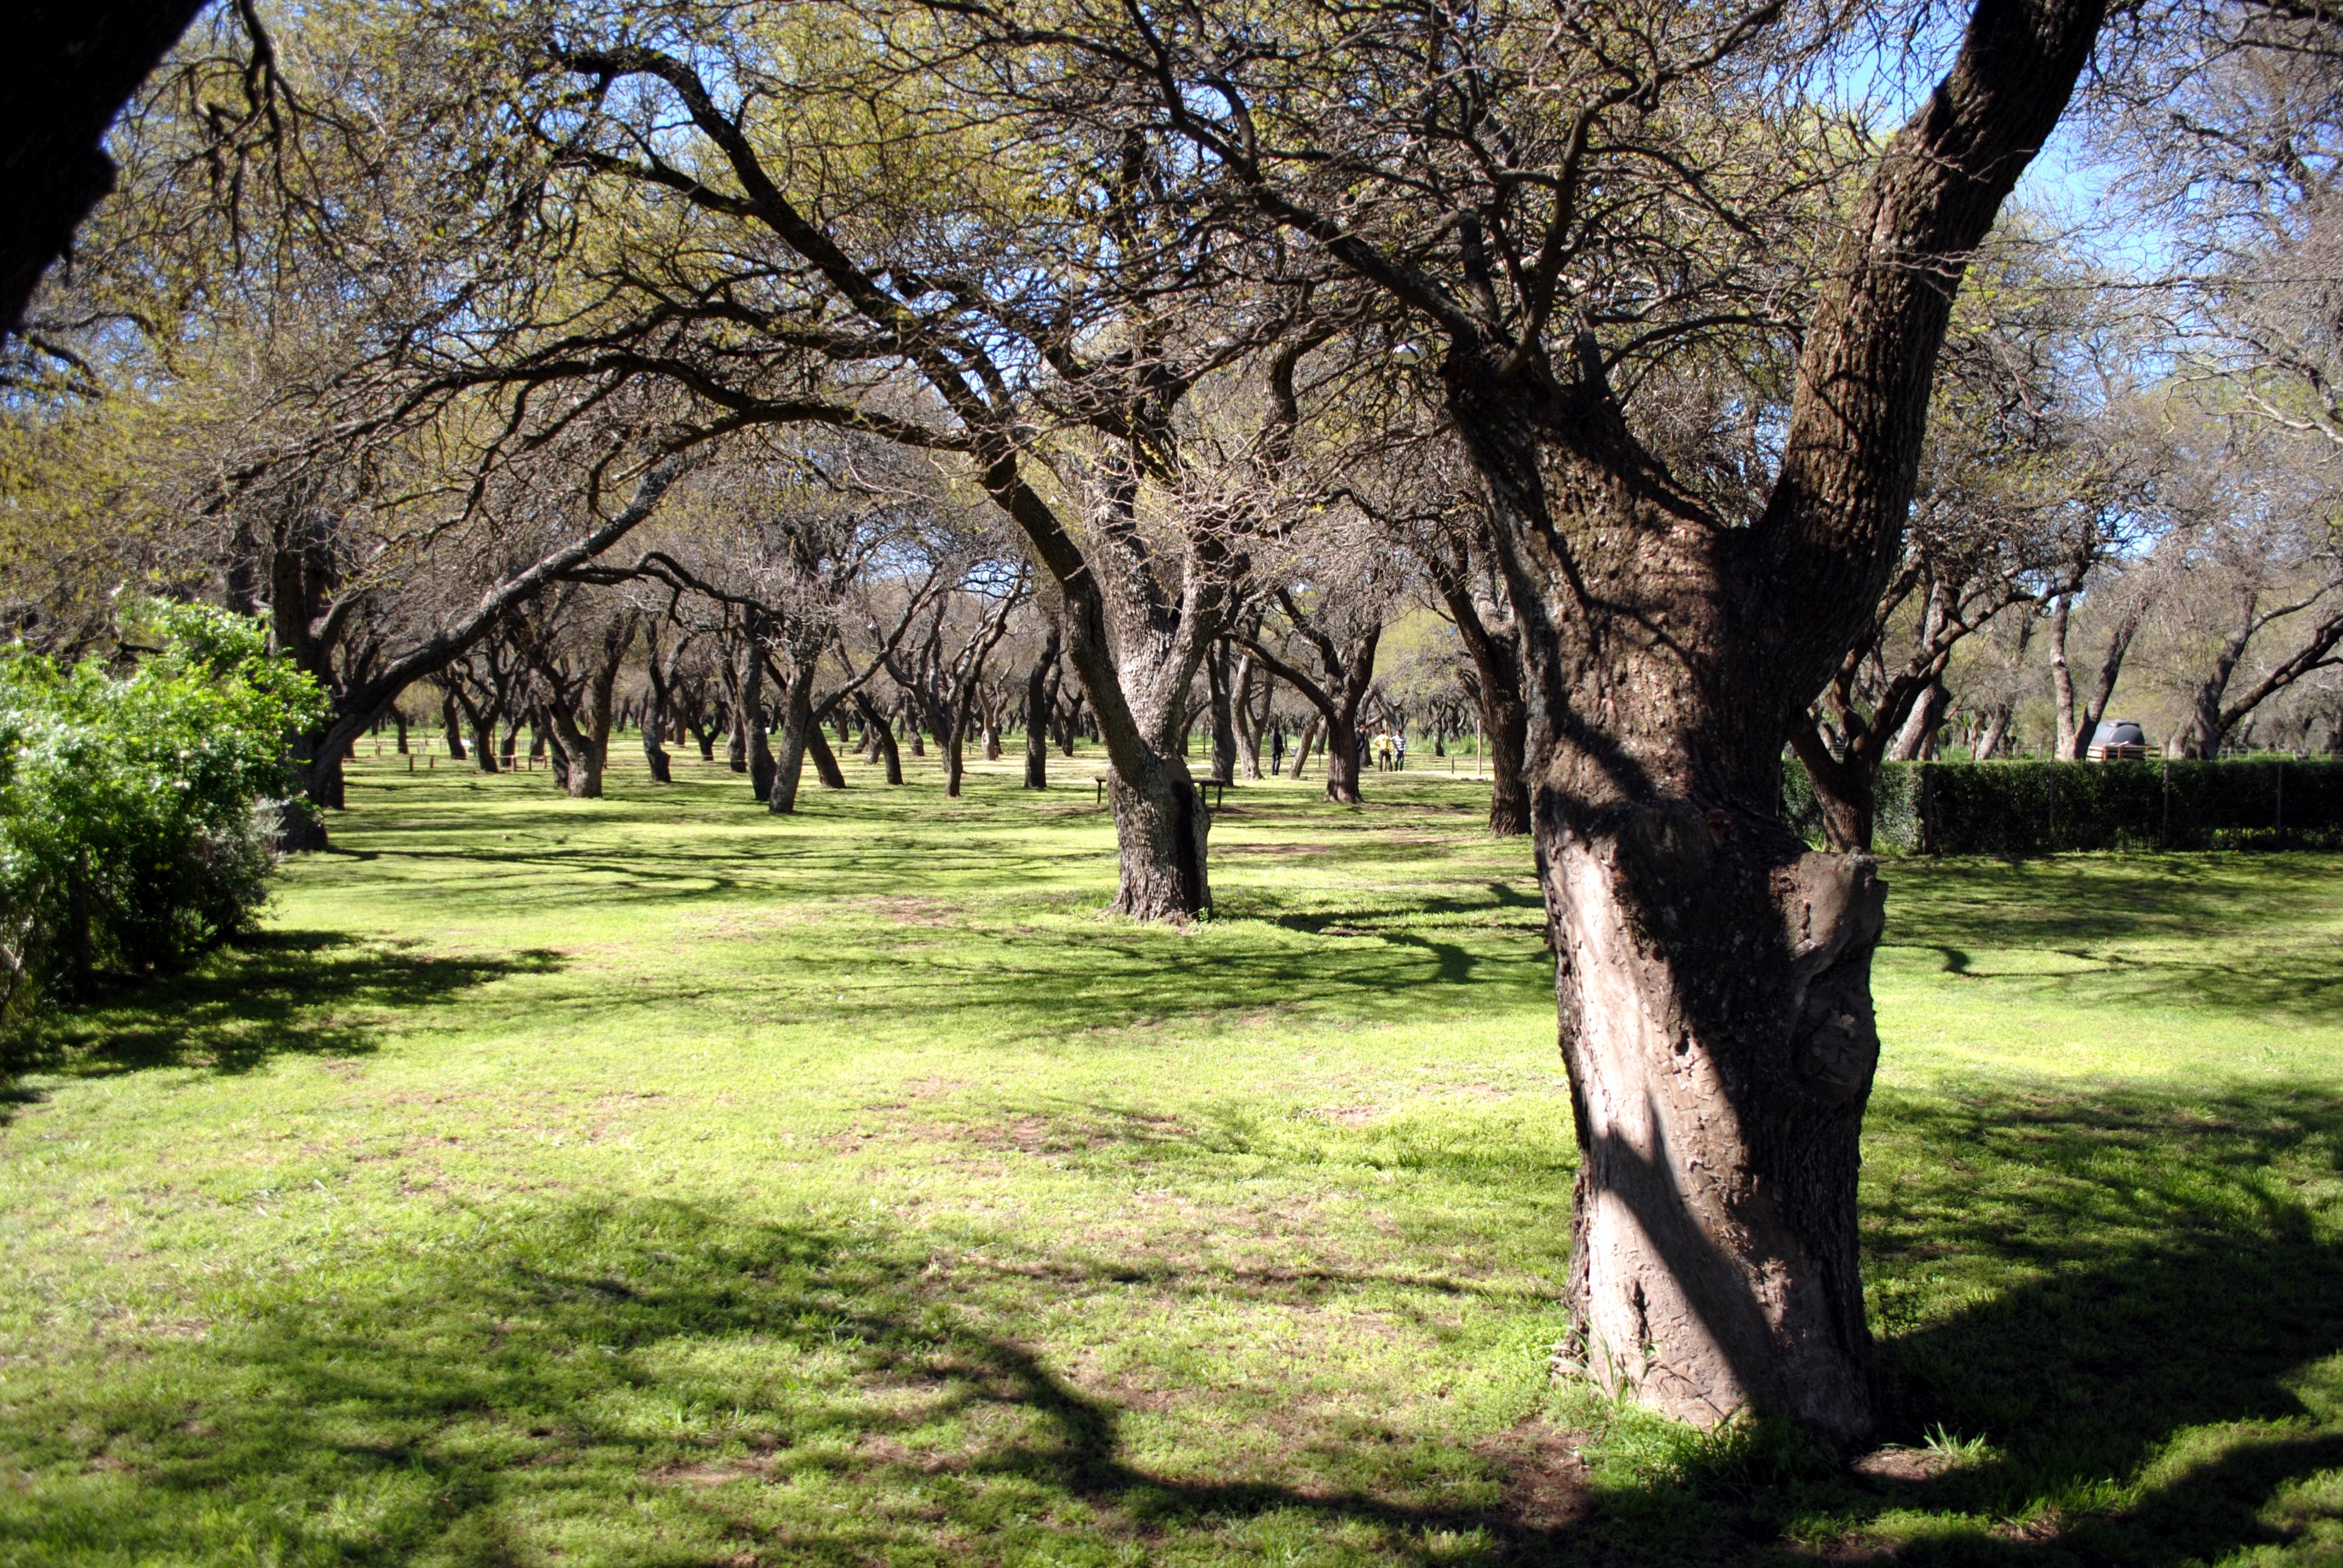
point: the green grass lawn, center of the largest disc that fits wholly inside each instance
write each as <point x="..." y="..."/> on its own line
<point x="653" y="1181"/>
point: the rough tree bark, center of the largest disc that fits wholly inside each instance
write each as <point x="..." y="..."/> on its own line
<point x="754" y="753"/>
<point x="826" y="770"/>
<point x="659" y="677"/>
<point x="1220" y="679"/>
<point x="798" y="727"/>
<point x="1255" y="689"/>
<point x="1917" y="739"/>
<point x="881" y="731"/>
<point x="1712" y="974"/>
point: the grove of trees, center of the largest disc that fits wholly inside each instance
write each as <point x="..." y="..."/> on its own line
<point x="1633" y="394"/>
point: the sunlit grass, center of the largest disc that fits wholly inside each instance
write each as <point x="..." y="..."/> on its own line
<point x="655" y="1181"/>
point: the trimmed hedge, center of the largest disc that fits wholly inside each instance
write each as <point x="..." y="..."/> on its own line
<point x="2041" y="807"/>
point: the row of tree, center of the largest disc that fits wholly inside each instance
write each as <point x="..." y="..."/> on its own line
<point x="807" y="348"/>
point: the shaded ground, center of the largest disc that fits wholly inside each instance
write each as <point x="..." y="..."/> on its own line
<point x="653" y="1181"/>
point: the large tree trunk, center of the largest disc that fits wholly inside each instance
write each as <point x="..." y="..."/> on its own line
<point x="755" y="754"/>
<point x="1505" y="721"/>
<point x="1160" y="832"/>
<point x="317" y="762"/>
<point x="657" y="711"/>
<point x="1712" y="975"/>
<point x="655" y="755"/>
<point x="1842" y="789"/>
<point x="452" y="724"/>
<point x="1255" y="691"/>
<point x="578" y="767"/>
<point x="1997" y="727"/>
<point x="1343" y="760"/>
<point x="2062" y="682"/>
<point x="882" y="732"/>
<point x="1714" y="982"/>
<point x="2119" y="641"/>
<point x="1917" y="739"/>
<point x="1496" y="652"/>
<point x="955" y="766"/>
<point x="825" y="761"/>
<point x="483" y="725"/>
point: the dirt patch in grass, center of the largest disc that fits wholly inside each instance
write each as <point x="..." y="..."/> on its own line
<point x="1036" y="1132"/>
<point x="713" y="1472"/>
<point x="1544" y="1480"/>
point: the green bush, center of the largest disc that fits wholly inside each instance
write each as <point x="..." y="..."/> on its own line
<point x="2040" y="808"/>
<point x="128" y="838"/>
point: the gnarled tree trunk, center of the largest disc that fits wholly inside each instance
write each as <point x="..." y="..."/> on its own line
<point x="1719" y="1087"/>
<point x="1713" y="974"/>
<point x="1160" y="828"/>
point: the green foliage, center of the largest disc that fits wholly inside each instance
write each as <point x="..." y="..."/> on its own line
<point x="126" y="830"/>
<point x="2044" y="807"/>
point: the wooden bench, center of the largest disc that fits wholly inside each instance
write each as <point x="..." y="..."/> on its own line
<point x="1219" y="791"/>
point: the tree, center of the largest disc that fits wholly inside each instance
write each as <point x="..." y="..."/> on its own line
<point x="1039" y="318"/>
<point x="1040" y="701"/>
<point x="1677" y="619"/>
<point x="2252" y="600"/>
<point x="1341" y="632"/>
<point x="577" y="645"/>
<point x="1458" y="555"/>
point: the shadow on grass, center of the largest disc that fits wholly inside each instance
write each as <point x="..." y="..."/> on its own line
<point x="2149" y="1356"/>
<point x="654" y="1382"/>
<point x="2159" y="1298"/>
<point x="275" y="993"/>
